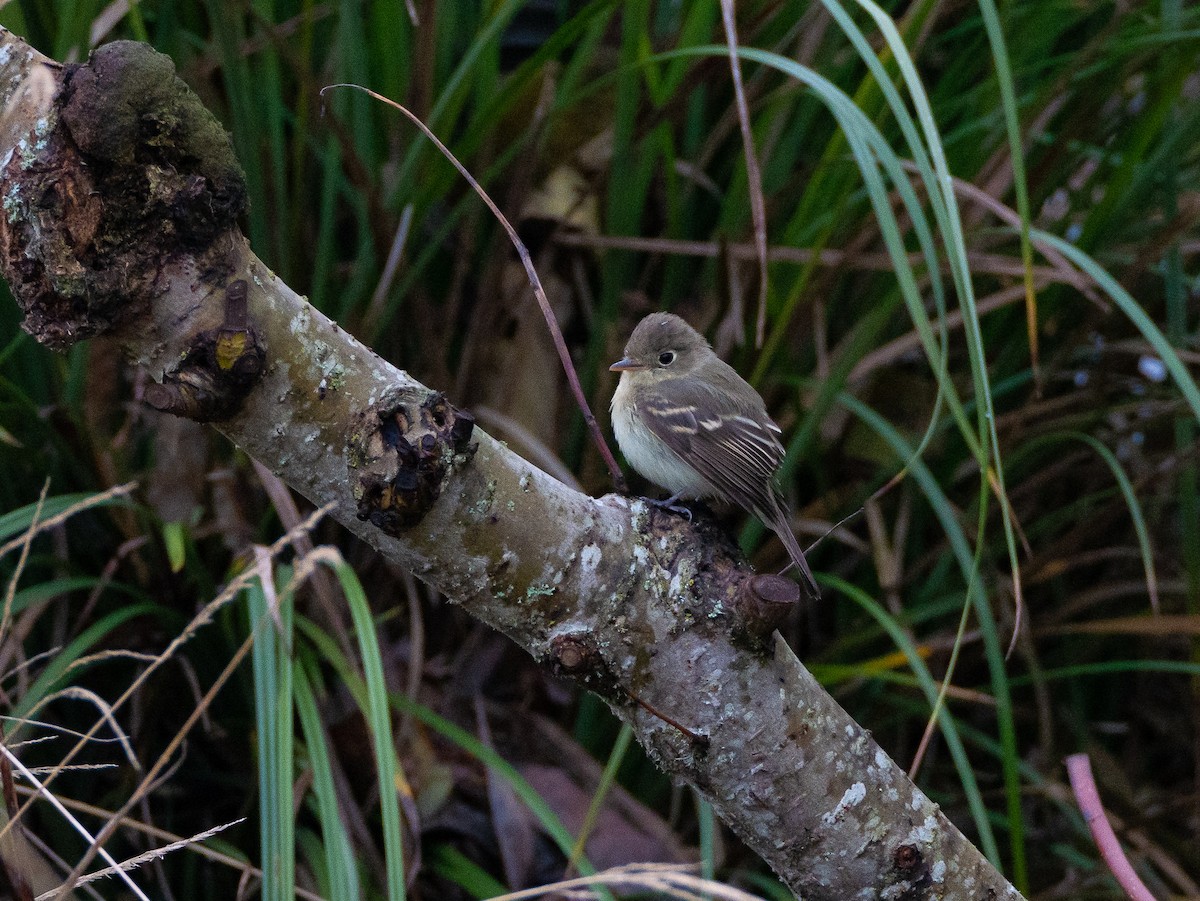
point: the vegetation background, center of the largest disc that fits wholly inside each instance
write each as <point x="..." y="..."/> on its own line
<point x="1051" y="398"/>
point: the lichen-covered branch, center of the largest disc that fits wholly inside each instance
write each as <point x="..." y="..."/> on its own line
<point x="121" y="194"/>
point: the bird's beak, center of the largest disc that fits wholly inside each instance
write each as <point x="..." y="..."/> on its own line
<point x="627" y="365"/>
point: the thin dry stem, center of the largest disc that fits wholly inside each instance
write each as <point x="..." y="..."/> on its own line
<point x="1012" y="218"/>
<point x="1079" y="768"/>
<point x="75" y="824"/>
<point x="391" y="266"/>
<point x="758" y="207"/>
<point x="145" y="857"/>
<point x="532" y="447"/>
<point x="155" y="832"/>
<point x="202" y="618"/>
<point x="673" y="880"/>
<point x="560" y="344"/>
<point x="26" y="541"/>
<point x="981" y="261"/>
<point x="322" y="583"/>
<point x="78" y="693"/>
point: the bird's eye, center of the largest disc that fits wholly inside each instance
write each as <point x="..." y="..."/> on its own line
<point x="667" y="357"/>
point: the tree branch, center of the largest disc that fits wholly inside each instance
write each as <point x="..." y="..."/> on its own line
<point x="121" y="196"/>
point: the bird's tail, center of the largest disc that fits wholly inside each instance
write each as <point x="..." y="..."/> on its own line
<point x="778" y="521"/>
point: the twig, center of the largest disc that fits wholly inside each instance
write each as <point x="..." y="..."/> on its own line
<point x="560" y="344"/>
<point x="1083" y="784"/>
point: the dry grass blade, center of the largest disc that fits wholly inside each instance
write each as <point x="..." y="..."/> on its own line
<point x="982" y="262"/>
<point x="76" y="825"/>
<point x="375" y="308"/>
<point x="146" y="857"/>
<point x="26" y="542"/>
<point x="78" y="693"/>
<point x="672" y="880"/>
<point x="201" y="619"/>
<point x="1160" y="626"/>
<point x="758" y="207"/>
<point x="532" y="448"/>
<point x="154" y="832"/>
<point x="910" y="342"/>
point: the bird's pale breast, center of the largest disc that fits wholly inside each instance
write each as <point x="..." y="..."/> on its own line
<point x="649" y="454"/>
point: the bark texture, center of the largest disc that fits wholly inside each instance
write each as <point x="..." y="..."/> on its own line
<point x="121" y="193"/>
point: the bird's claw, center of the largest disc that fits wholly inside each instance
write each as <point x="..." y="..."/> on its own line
<point x="671" y="505"/>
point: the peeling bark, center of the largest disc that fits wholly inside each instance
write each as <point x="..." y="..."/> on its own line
<point x="125" y="169"/>
<point x="120" y="200"/>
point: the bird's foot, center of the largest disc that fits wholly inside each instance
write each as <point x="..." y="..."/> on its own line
<point x="671" y="505"/>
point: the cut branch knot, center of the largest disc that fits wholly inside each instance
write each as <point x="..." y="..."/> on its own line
<point x="406" y="451"/>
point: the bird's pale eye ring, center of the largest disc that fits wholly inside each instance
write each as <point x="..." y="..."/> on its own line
<point x="666" y="358"/>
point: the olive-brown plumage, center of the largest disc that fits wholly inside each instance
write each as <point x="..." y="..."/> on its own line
<point x="687" y="421"/>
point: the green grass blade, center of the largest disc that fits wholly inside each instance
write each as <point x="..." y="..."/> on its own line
<point x="607" y="780"/>
<point x="338" y="855"/>
<point x="1141" y="530"/>
<point x="933" y="695"/>
<point x="452" y="864"/>
<point x="545" y="816"/>
<point x="960" y="546"/>
<point x="379" y="721"/>
<point x="63" y="664"/>
<point x="46" y="591"/>
<point x="273" y="717"/>
<point x="1016" y="153"/>
<point x="1134" y="312"/>
<point x="469" y="743"/>
<point x="16" y="521"/>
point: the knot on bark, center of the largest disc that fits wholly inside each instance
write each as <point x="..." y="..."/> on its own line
<point x="762" y="603"/>
<point x="405" y="451"/>
<point x="219" y="368"/>
<point x="575" y="654"/>
<point x="127" y="172"/>
<point x="910" y="864"/>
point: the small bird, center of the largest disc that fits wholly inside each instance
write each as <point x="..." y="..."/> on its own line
<point x="687" y="421"/>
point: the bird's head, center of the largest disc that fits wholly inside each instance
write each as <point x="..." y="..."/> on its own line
<point x="663" y="346"/>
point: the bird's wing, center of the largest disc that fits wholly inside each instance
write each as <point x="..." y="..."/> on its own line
<point x="736" y="453"/>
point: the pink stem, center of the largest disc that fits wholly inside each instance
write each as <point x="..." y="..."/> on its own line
<point x="1083" y="784"/>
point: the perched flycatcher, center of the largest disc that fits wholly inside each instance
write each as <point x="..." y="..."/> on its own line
<point x="687" y="421"/>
